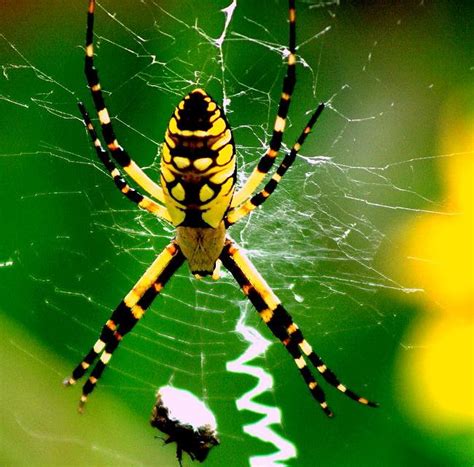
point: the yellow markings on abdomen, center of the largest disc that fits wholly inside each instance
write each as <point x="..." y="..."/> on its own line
<point x="169" y="140"/>
<point x="178" y="192"/>
<point x="198" y="163"/>
<point x="216" y="208"/>
<point x="181" y="162"/>
<point x="222" y="173"/>
<point x="203" y="163"/>
<point x="173" y="125"/>
<point x="177" y="214"/>
<point x="227" y="186"/>
<point x="166" y="174"/>
<point x="224" y="139"/>
<point x="200" y="91"/>
<point x="225" y="154"/>
<point x="217" y="127"/>
<point x="165" y="153"/>
<point x="206" y="193"/>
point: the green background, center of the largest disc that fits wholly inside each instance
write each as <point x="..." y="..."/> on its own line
<point x="71" y="246"/>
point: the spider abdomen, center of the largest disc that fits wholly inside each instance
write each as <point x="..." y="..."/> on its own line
<point x="198" y="163"/>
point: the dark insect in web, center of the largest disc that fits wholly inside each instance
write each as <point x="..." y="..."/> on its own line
<point x="187" y="422"/>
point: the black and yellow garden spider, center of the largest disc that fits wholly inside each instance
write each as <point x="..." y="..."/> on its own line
<point x="198" y="174"/>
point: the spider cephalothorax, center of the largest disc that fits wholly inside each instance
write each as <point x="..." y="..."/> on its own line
<point x="197" y="195"/>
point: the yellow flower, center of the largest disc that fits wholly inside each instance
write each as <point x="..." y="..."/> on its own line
<point x="438" y="372"/>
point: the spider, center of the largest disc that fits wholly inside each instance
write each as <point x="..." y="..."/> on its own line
<point x="197" y="195"/>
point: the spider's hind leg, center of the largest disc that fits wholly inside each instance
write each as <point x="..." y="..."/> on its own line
<point x="125" y="316"/>
<point x="269" y="307"/>
<point x="282" y="326"/>
<point x="105" y="335"/>
<point x="326" y="372"/>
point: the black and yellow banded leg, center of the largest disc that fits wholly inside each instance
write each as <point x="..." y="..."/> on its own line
<point x="267" y="160"/>
<point x="281" y="324"/>
<point x="125" y="316"/>
<point x="297" y="339"/>
<point x="118" y="153"/>
<point x="133" y="195"/>
<point x="237" y="213"/>
<point x="316" y="390"/>
<point x="269" y="307"/>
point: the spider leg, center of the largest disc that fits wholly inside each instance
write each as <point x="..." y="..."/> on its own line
<point x="133" y="195"/>
<point x="179" y="455"/>
<point x="281" y="324"/>
<point x="125" y="316"/>
<point x="268" y="306"/>
<point x="118" y="153"/>
<point x="289" y="82"/>
<point x="237" y="213"/>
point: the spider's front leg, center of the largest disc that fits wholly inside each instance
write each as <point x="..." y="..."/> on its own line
<point x="125" y="316"/>
<point x="289" y="82"/>
<point x="120" y="155"/>
<point x="133" y="195"/>
<point x="236" y="213"/>
<point x="282" y="326"/>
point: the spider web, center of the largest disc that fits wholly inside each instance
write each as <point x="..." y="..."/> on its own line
<point x="322" y="241"/>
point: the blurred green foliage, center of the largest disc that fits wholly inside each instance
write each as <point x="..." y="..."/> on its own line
<point x="71" y="246"/>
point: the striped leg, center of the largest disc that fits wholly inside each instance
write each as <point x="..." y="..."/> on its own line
<point x="281" y="324"/>
<point x="118" y="153"/>
<point x="266" y="162"/>
<point x="125" y="316"/>
<point x="237" y="213"/>
<point x="133" y="195"/>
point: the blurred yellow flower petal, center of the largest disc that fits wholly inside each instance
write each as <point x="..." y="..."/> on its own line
<point x="456" y="140"/>
<point x="438" y="383"/>
<point x="437" y="374"/>
<point x="442" y="255"/>
<point x="441" y="246"/>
